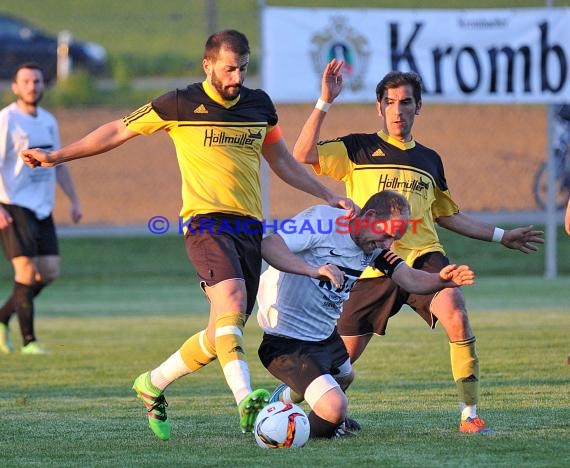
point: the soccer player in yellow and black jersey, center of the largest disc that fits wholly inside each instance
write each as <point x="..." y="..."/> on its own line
<point x="393" y="159"/>
<point x="220" y="129"/>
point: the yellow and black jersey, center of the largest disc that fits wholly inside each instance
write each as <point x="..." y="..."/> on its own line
<point x="369" y="163"/>
<point x="218" y="145"/>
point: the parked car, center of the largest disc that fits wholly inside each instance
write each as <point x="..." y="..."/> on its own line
<point x="21" y="42"/>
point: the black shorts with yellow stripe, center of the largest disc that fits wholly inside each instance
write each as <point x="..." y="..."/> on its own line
<point x="224" y="246"/>
<point x="373" y="301"/>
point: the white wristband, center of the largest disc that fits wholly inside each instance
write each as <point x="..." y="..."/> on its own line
<point x="322" y="105"/>
<point x="498" y="234"/>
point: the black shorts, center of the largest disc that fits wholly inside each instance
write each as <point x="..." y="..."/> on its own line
<point x="297" y="363"/>
<point x="28" y="236"/>
<point x="373" y="301"/>
<point x="222" y="246"/>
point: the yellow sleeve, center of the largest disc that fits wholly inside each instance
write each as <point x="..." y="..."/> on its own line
<point x="333" y="160"/>
<point x="146" y="121"/>
<point x="443" y="204"/>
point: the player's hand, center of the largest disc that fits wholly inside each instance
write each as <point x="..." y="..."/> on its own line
<point x="34" y="157"/>
<point x="331" y="83"/>
<point x="523" y="239"/>
<point x="75" y="212"/>
<point x="457" y="275"/>
<point x="345" y="203"/>
<point x="332" y="273"/>
<point x="5" y="218"/>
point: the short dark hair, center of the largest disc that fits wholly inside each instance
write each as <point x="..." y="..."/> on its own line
<point x="29" y="66"/>
<point x="387" y="204"/>
<point x="395" y="79"/>
<point x="231" y="39"/>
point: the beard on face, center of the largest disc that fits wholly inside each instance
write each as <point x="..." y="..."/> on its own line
<point x="366" y="246"/>
<point x="33" y="100"/>
<point x="229" y="92"/>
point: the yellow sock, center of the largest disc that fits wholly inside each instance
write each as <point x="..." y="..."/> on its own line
<point x="294" y="396"/>
<point x="231" y="354"/>
<point x="288" y="395"/>
<point x="197" y="351"/>
<point x="465" y="369"/>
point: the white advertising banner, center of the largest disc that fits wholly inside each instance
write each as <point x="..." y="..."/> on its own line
<point x="477" y="56"/>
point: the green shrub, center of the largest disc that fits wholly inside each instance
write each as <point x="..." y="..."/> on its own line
<point x="78" y="90"/>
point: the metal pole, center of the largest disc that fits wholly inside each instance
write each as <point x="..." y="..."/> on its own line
<point x="551" y="267"/>
<point x="264" y="169"/>
<point x="64" y="65"/>
<point x="211" y="17"/>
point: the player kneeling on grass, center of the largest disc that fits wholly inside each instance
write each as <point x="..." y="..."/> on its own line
<point x="300" y="298"/>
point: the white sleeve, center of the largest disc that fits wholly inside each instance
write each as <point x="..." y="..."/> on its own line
<point x="3" y="137"/>
<point x="301" y="233"/>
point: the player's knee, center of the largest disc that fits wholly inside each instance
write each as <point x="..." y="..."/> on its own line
<point x="228" y="295"/>
<point x="452" y="298"/>
<point x="24" y="270"/>
<point x="332" y="406"/>
<point x="47" y="276"/>
<point x="47" y="269"/>
<point x="327" y="399"/>
<point x="355" y="345"/>
<point x="450" y="304"/>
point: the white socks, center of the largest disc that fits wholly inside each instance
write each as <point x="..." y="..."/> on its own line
<point x="169" y="371"/>
<point x="468" y="411"/>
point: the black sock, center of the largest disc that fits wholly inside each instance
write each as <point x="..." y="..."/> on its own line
<point x="37" y="288"/>
<point x="321" y="428"/>
<point x="8" y="309"/>
<point x="23" y="297"/>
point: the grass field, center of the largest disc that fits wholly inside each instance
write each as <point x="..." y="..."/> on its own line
<point x="124" y="304"/>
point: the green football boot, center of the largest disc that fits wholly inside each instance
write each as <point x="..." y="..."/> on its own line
<point x="155" y="404"/>
<point x="250" y="407"/>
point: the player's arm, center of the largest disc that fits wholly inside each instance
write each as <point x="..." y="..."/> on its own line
<point x="305" y="150"/>
<point x="419" y="281"/>
<point x="520" y="238"/>
<point x="65" y="181"/>
<point x="422" y="282"/>
<point x="277" y="254"/>
<point x="5" y="218"/>
<point x="100" y="140"/>
<point x="290" y="171"/>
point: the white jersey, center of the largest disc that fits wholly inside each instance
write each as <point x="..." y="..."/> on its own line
<point x="304" y="308"/>
<point x="19" y="184"/>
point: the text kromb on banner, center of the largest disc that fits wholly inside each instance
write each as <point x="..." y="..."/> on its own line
<point x="477" y="56"/>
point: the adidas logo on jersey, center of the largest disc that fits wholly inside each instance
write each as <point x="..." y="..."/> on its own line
<point x="200" y="109"/>
<point x="378" y="152"/>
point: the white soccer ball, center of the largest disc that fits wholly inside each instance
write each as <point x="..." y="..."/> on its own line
<point x="281" y="425"/>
